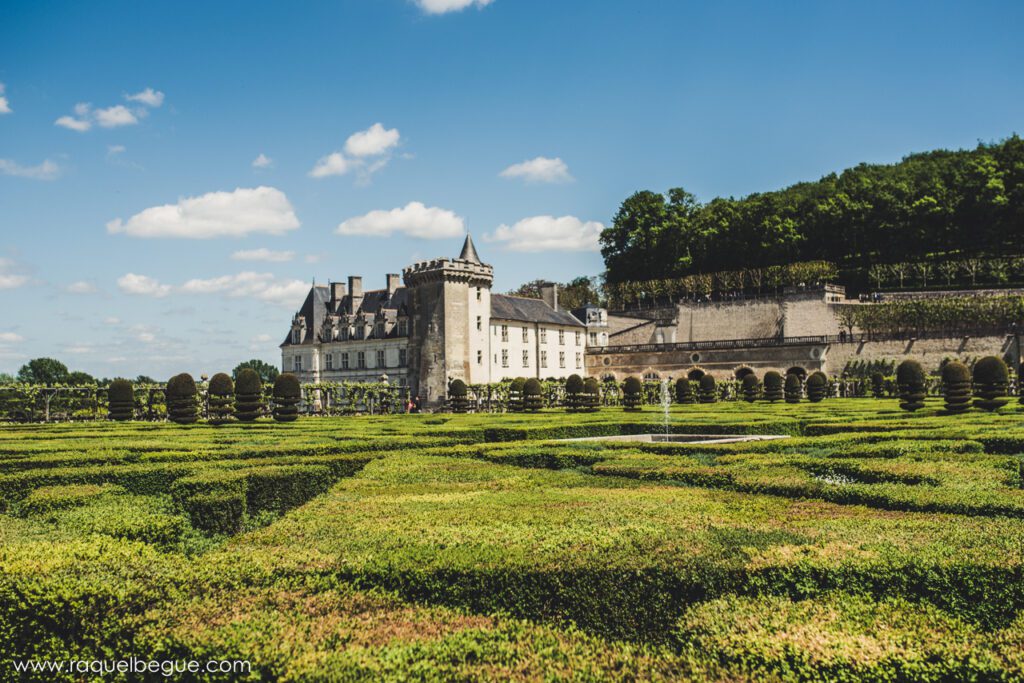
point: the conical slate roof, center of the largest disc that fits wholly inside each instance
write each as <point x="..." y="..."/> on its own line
<point x="469" y="251"/>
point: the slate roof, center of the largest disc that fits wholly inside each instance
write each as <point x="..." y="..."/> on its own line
<point x="506" y="307"/>
<point x="317" y="306"/>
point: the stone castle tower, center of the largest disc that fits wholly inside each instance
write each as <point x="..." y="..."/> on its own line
<point x="451" y="312"/>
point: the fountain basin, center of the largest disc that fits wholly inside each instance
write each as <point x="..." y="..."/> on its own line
<point x="683" y="438"/>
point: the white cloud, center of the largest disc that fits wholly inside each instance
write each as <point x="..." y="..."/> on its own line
<point x="262" y="286"/>
<point x="539" y="170"/>
<point x="445" y="6"/>
<point x="148" y="97"/>
<point x="332" y="164"/>
<point x="48" y="170"/>
<point x="142" y="285"/>
<point x="547" y="233"/>
<point x="263" y="254"/>
<point x="414" y="220"/>
<point x="373" y="141"/>
<point x="71" y="123"/>
<point x="10" y="278"/>
<point x="115" y="149"/>
<point x="262" y="161"/>
<point x="81" y="287"/>
<point x="5" y="106"/>
<point x="113" y="117"/>
<point x="241" y="212"/>
<point x="10" y="338"/>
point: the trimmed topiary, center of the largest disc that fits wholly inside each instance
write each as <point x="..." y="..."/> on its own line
<point x="877" y="385"/>
<point x="910" y="384"/>
<point x="773" y="386"/>
<point x="794" y="388"/>
<point x="287" y="394"/>
<point x="591" y="394"/>
<point x="632" y="393"/>
<point x="574" y="393"/>
<point x="708" y="389"/>
<point x="458" y="396"/>
<point x="221" y="393"/>
<point x="120" y="400"/>
<point x="956" y="386"/>
<point x="817" y="387"/>
<point x="515" y="395"/>
<point x="684" y="391"/>
<point x="182" y="406"/>
<point x="991" y="381"/>
<point x="248" y="395"/>
<point x="751" y="387"/>
<point x="533" y="395"/>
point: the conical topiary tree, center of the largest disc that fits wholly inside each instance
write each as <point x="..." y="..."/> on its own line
<point x="910" y="384"/>
<point x="221" y="392"/>
<point x="248" y="395"/>
<point x="817" y="387"/>
<point x="287" y="394"/>
<point x="708" y="389"/>
<point x="956" y="386"/>
<point x="632" y="393"/>
<point x="591" y="394"/>
<point x="120" y="400"/>
<point x="182" y="406"/>
<point x="794" y="388"/>
<point x="684" y="391"/>
<point x="458" y="396"/>
<point x="533" y="395"/>
<point x="574" y="393"/>
<point x="773" y="386"/>
<point x="991" y="380"/>
<point x="877" y="385"/>
<point x="515" y="395"/>
<point x="751" y="387"/>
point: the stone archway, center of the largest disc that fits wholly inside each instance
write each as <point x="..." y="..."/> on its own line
<point x="743" y="371"/>
<point x="798" y="371"/>
<point x="695" y="374"/>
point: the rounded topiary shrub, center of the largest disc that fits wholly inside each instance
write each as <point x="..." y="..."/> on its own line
<point x="708" y="389"/>
<point x="956" y="386"/>
<point x="182" y="406"/>
<point x="793" y="388"/>
<point x="910" y="384"/>
<point x="877" y="385"/>
<point x="533" y="395"/>
<point x="773" y="386"/>
<point x="632" y="393"/>
<point x="991" y="381"/>
<point x="515" y="395"/>
<point x="458" y="396"/>
<point x="817" y="387"/>
<point x="222" y="398"/>
<point x="120" y="400"/>
<point x="751" y="387"/>
<point x="287" y="394"/>
<point x="248" y="395"/>
<point x="574" y="392"/>
<point x="591" y="394"/>
<point x="684" y="391"/>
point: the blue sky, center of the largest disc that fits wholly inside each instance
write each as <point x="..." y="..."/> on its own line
<point x="137" y="235"/>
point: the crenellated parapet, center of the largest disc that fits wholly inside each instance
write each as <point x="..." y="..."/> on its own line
<point x="448" y="270"/>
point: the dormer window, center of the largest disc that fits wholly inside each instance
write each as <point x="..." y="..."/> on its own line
<point x="403" y="328"/>
<point x="296" y="336"/>
<point x="378" y="330"/>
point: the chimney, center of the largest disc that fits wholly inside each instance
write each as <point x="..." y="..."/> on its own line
<point x="355" y="289"/>
<point x="549" y="293"/>
<point x="337" y="292"/>
<point x="394" y="280"/>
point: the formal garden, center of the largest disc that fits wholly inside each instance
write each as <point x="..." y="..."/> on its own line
<point x="882" y="539"/>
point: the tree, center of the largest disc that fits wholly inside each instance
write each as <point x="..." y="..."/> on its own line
<point x="43" y="371"/>
<point x="6" y="378"/>
<point x="80" y="379"/>
<point x="145" y="379"/>
<point x="267" y="372"/>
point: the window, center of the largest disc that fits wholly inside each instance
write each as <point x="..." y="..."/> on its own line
<point x="329" y="361"/>
<point x="361" y="360"/>
<point x="380" y="359"/>
<point x="345" y="333"/>
<point x="593" y="338"/>
<point x="543" y="359"/>
<point x="577" y="339"/>
<point x="504" y="358"/>
<point x="543" y="336"/>
<point x="526" y="358"/>
<point x="561" y="337"/>
<point x="403" y="358"/>
<point x="298" y="363"/>
<point x="526" y="334"/>
<point x="403" y="328"/>
<point x="479" y="357"/>
<point x="479" y="323"/>
<point x="378" y="330"/>
<point x="360" y="331"/>
<point x="561" y="359"/>
<point x="344" y="361"/>
<point x="296" y="336"/>
<point x="504" y="333"/>
<point x="479" y="294"/>
<point x="579" y="361"/>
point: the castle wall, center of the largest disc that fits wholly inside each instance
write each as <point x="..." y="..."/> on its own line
<point x="545" y="350"/>
<point x="929" y="352"/>
<point x="747" y="319"/>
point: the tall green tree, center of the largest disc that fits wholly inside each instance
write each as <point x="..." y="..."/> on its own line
<point x="43" y="371"/>
<point x="267" y="372"/>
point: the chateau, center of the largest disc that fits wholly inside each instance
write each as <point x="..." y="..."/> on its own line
<point x="437" y="322"/>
